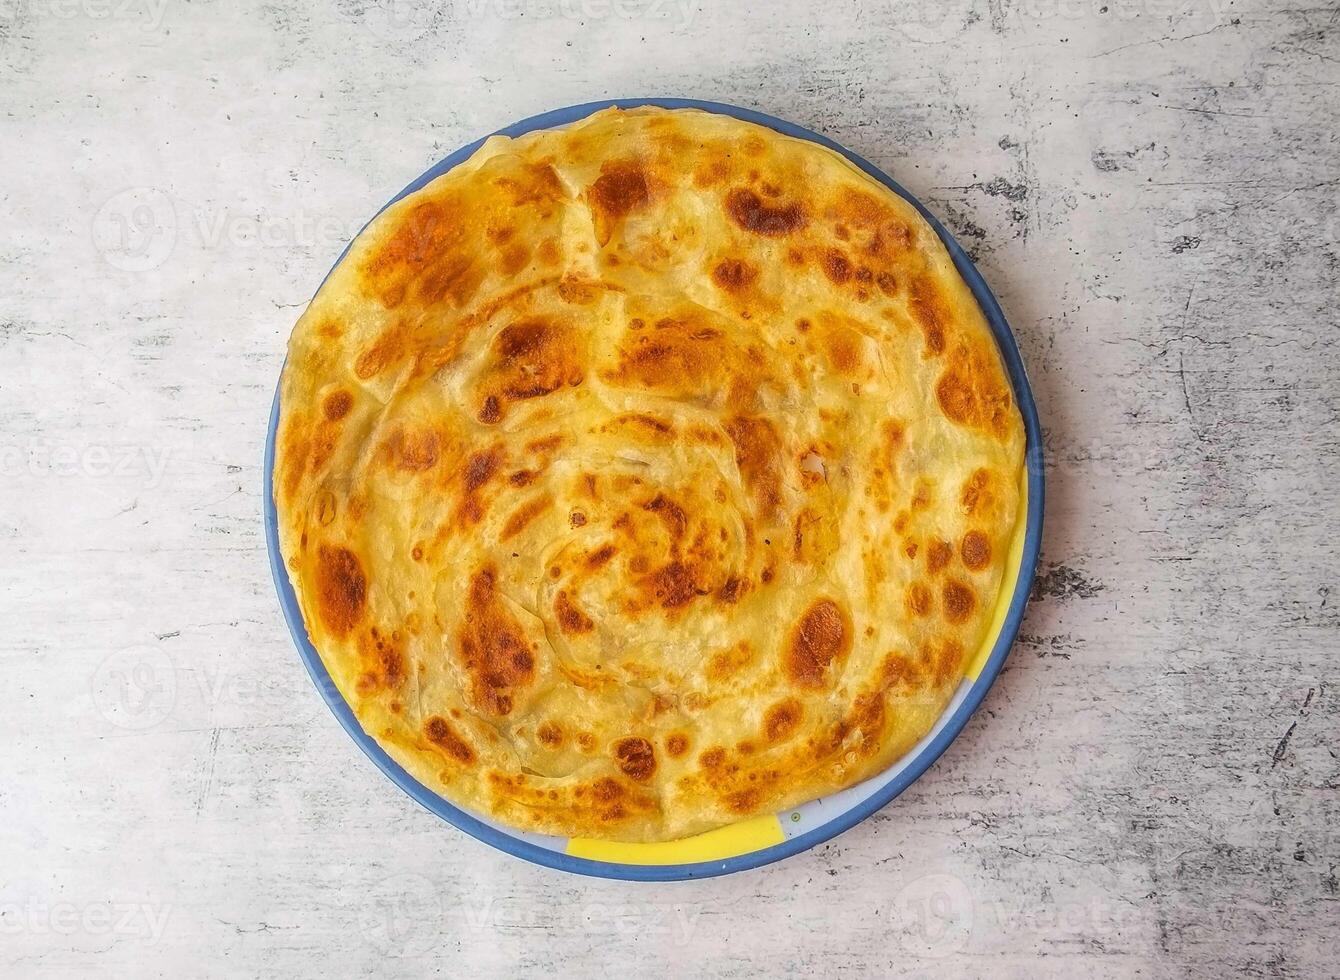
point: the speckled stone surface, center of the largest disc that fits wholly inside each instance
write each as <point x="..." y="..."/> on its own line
<point x="1152" y="787"/>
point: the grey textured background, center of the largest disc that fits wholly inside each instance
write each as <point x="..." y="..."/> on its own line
<point x="1150" y="187"/>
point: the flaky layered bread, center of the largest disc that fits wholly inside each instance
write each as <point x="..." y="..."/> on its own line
<point x="646" y="475"/>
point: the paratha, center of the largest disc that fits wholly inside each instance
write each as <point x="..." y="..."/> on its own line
<point x="642" y="476"/>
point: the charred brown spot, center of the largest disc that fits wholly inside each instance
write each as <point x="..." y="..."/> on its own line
<point x="532" y="358"/>
<point x="571" y="619"/>
<point x="523" y="515"/>
<point x="636" y="757"/>
<point x="674" y="585"/>
<point x="749" y="212"/>
<point x="337" y="405"/>
<point x="600" y="556"/>
<point x="782" y="719"/>
<point x="550" y="733"/>
<point x="480" y="469"/>
<point x="384" y="659"/>
<point x="975" y="550"/>
<point x="388" y="348"/>
<point x="731" y="589"/>
<point x="887" y="284"/>
<point x="734" y="275"/>
<point x="342" y="588"/>
<point x="938" y="555"/>
<point x="931" y="312"/>
<point x="757" y="454"/>
<point x="671" y="514"/>
<point x="441" y="734"/>
<point x="712" y="758"/>
<point x="493" y="648"/>
<point x="577" y="519"/>
<point x="958" y="601"/>
<point x="620" y="189"/>
<point x="491" y="411"/>
<point x="836" y="266"/>
<point x="822" y="636"/>
<point x="676" y="744"/>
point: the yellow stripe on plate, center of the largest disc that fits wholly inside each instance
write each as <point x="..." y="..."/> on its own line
<point x="1009" y="582"/>
<point x="744" y="837"/>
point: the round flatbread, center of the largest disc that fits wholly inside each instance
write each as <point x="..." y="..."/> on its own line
<point x="642" y="476"/>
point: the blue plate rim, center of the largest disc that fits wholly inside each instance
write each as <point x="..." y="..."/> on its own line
<point x="517" y="847"/>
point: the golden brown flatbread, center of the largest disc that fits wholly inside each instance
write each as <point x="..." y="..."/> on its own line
<point x="646" y="475"/>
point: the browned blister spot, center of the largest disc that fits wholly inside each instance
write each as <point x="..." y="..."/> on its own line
<point x="382" y="656"/>
<point x="946" y="661"/>
<point x="425" y="235"/>
<point x="535" y="184"/>
<point x="958" y="601"/>
<point x="514" y="259"/>
<point x="523" y="515"/>
<point x="836" y="266"/>
<point x="620" y="190"/>
<point x="975" y="550"/>
<point x="976" y="495"/>
<point x="932" y="313"/>
<point x="341" y="588"/>
<point x="672" y="515"/>
<point x="758" y="456"/>
<point x="413" y="450"/>
<point x="972" y="391"/>
<point x="782" y="719"/>
<point x="734" y="275"/>
<point x="389" y="348"/>
<point x="938" y="555"/>
<point x="439" y="731"/>
<point x="600" y="556"/>
<point x="683" y="355"/>
<point x="732" y="589"/>
<point x="676" y="744"/>
<point x="337" y="405"/>
<point x="748" y="211"/>
<point x="530" y="359"/>
<point x="493" y="648"/>
<point x="636" y="758"/>
<point x="712" y="758"/>
<point x="571" y="619"/>
<point x="822" y="637"/>
<point x="550" y="733"/>
<point x="480" y="468"/>
<point x="725" y="664"/>
<point x="674" y="585"/>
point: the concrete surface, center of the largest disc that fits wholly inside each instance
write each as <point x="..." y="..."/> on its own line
<point x="1150" y="187"/>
